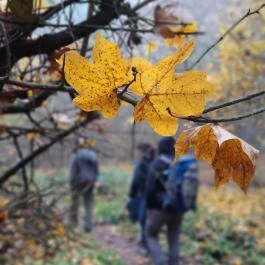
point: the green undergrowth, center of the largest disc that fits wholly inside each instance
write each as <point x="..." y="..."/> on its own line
<point x="209" y="235"/>
<point x="89" y="252"/>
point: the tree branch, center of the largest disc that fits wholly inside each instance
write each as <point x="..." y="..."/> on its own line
<point x="50" y="42"/>
<point x="6" y="175"/>
<point x="228" y="31"/>
<point x="25" y="107"/>
<point x="204" y="119"/>
<point x="235" y="101"/>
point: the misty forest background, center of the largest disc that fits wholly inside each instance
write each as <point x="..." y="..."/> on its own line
<point x="39" y="128"/>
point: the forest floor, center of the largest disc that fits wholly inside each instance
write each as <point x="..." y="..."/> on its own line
<point x="123" y="245"/>
<point x="227" y="229"/>
<point x="127" y="248"/>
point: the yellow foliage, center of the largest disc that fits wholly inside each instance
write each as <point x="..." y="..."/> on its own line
<point x="58" y="230"/>
<point x="240" y="56"/>
<point x="40" y="4"/>
<point x="86" y="261"/>
<point x="30" y="93"/>
<point x="34" y="248"/>
<point x="178" y="39"/>
<point x="166" y="93"/>
<point x="31" y="136"/>
<point x="150" y="47"/>
<point x="97" y="82"/>
<point x="247" y="210"/>
<point x="89" y="143"/>
<point x="230" y="156"/>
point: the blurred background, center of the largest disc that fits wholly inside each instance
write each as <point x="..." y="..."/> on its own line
<point x="40" y="128"/>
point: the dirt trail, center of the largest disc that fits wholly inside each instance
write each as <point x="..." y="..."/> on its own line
<point x="126" y="247"/>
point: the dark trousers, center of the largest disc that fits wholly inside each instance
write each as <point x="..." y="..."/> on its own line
<point x="154" y="223"/>
<point x="142" y="233"/>
<point x="86" y="192"/>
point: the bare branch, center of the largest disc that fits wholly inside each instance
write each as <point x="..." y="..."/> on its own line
<point x="235" y="101"/>
<point x="6" y="175"/>
<point x="204" y="119"/>
<point x="227" y="32"/>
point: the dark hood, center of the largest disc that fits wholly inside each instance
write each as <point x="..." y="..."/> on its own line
<point x="166" y="146"/>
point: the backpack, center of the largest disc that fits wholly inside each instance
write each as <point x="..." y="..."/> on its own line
<point x="181" y="185"/>
<point x="83" y="169"/>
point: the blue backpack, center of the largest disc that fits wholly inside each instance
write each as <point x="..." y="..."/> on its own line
<point x="181" y="185"/>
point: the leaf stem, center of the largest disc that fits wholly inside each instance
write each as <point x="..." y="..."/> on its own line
<point x="134" y="72"/>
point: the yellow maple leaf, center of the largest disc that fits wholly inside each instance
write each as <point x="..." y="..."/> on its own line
<point x="230" y="156"/>
<point x="97" y="82"/>
<point x="166" y="93"/>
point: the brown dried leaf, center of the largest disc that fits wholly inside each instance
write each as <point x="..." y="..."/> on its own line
<point x="3" y="212"/>
<point x="22" y="9"/>
<point x="7" y="97"/>
<point x="230" y="156"/>
<point x="163" y="20"/>
<point x="54" y="67"/>
<point x="31" y="136"/>
<point x="169" y="27"/>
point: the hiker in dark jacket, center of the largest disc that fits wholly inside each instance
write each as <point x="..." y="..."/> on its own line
<point x="136" y="205"/>
<point x="157" y="216"/>
<point x="83" y="175"/>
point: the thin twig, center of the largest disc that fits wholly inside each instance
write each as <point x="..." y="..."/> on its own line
<point x="227" y="32"/>
<point x="235" y="101"/>
<point x="134" y="72"/>
<point x="31" y="85"/>
<point x="6" y="175"/>
<point x="88" y="26"/>
<point x="235" y="118"/>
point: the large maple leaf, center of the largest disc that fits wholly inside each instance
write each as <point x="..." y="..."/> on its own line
<point x="230" y="156"/>
<point x="168" y="95"/>
<point x="97" y="82"/>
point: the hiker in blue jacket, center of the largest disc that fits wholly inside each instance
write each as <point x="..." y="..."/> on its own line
<point x="160" y="212"/>
<point x="83" y="175"/>
<point x="136" y="204"/>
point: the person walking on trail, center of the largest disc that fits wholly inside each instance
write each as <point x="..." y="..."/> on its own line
<point x="136" y="204"/>
<point x="171" y="191"/>
<point x="83" y="175"/>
